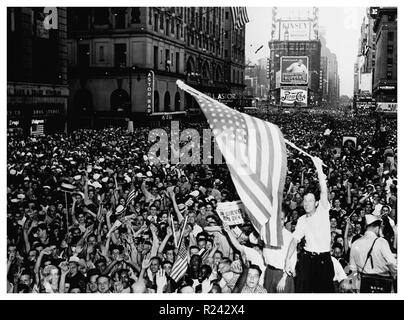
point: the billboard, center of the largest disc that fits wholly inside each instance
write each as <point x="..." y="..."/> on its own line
<point x="365" y="82"/>
<point x="294" y="96"/>
<point x="294" y="70"/>
<point x="295" y="30"/>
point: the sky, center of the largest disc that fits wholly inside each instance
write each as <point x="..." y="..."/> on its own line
<point x="342" y="31"/>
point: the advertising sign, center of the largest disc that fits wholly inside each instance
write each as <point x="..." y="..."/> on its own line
<point x="390" y="107"/>
<point x="293" y="96"/>
<point x="294" y="70"/>
<point x="231" y="212"/>
<point x="365" y="82"/>
<point x="150" y="92"/>
<point x="295" y="30"/>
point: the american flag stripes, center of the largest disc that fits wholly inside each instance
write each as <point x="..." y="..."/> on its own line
<point x="239" y="17"/>
<point x="131" y="196"/>
<point x="255" y="153"/>
<point x="181" y="263"/>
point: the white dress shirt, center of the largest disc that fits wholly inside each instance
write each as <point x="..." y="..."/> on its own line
<point x="315" y="229"/>
<point x="276" y="257"/>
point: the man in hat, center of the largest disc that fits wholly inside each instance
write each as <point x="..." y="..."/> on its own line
<point x="371" y="256"/>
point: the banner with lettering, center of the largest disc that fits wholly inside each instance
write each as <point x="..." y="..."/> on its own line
<point x="231" y="212"/>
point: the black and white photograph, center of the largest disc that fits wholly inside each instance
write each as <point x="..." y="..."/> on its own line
<point x="201" y="150"/>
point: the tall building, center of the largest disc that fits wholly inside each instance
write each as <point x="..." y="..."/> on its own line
<point x="124" y="62"/>
<point x="331" y="96"/>
<point x="385" y="69"/>
<point x="365" y="63"/>
<point x="295" y="52"/>
<point x="324" y="80"/>
<point x="256" y="81"/>
<point x="36" y="70"/>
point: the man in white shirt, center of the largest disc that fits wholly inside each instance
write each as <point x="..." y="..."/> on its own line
<point x="314" y="270"/>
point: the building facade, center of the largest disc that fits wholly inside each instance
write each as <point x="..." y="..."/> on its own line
<point x="309" y="49"/>
<point x="385" y="69"/>
<point x="124" y="62"/>
<point x="364" y="66"/>
<point x="37" y="90"/>
<point x="331" y="79"/>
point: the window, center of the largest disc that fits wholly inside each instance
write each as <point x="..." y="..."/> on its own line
<point x="168" y="62"/>
<point x="161" y="22"/>
<point x="120" y="14"/>
<point x="390" y="48"/>
<point x="172" y="26"/>
<point x="178" y="31"/>
<point x="226" y="54"/>
<point x="389" y="61"/>
<point x="156" y="22"/>
<point x="177" y="62"/>
<point x="83" y="55"/>
<point x="101" y="16"/>
<point x="82" y="19"/>
<point x="156" y="101"/>
<point x="177" y="101"/>
<point x="227" y="15"/>
<point x="155" y="57"/>
<point x="389" y="75"/>
<point x="390" y="36"/>
<point x="234" y="76"/>
<point x="161" y="56"/>
<point x="167" y="102"/>
<point x="102" y="58"/>
<point x="391" y="17"/>
<point x="136" y="15"/>
<point x="120" y="55"/>
<point x="167" y="27"/>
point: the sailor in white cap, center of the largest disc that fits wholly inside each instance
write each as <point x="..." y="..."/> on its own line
<point x="371" y="259"/>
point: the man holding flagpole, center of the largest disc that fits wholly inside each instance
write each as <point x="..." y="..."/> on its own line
<point x="314" y="269"/>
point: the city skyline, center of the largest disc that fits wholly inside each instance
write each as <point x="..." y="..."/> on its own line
<point x="342" y="41"/>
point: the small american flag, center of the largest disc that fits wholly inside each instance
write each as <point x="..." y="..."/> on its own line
<point x="181" y="263"/>
<point x="37" y="130"/>
<point x="255" y="154"/>
<point x="239" y="17"/>
<point x="131" y="196"/>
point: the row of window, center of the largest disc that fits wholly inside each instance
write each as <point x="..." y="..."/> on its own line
<point x="81" y="18"/>
<point x="169" y="64"/>
<point x="238" y="77"/>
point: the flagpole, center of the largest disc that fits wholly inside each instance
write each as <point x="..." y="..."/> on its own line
<point x="183" y="230"/>
<point x="298" y="149"/>
<point x="172" y="225"/>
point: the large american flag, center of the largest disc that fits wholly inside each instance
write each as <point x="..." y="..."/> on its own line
<point x="255" y="153"/>
<point x="181" y="263"/>
<point x="239" y="16"/>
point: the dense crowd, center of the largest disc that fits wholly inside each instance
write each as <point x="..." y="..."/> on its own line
<point x="72" y="229"/>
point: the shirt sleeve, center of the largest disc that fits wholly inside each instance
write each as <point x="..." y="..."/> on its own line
<point x="299" y="230"/>
<point x="389" y="257"/>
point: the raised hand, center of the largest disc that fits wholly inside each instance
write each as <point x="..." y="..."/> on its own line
<point x="146" y="262"/>
<point x="161" y="279"/>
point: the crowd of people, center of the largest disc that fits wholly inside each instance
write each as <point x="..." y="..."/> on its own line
<point x="88" y="213"/>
